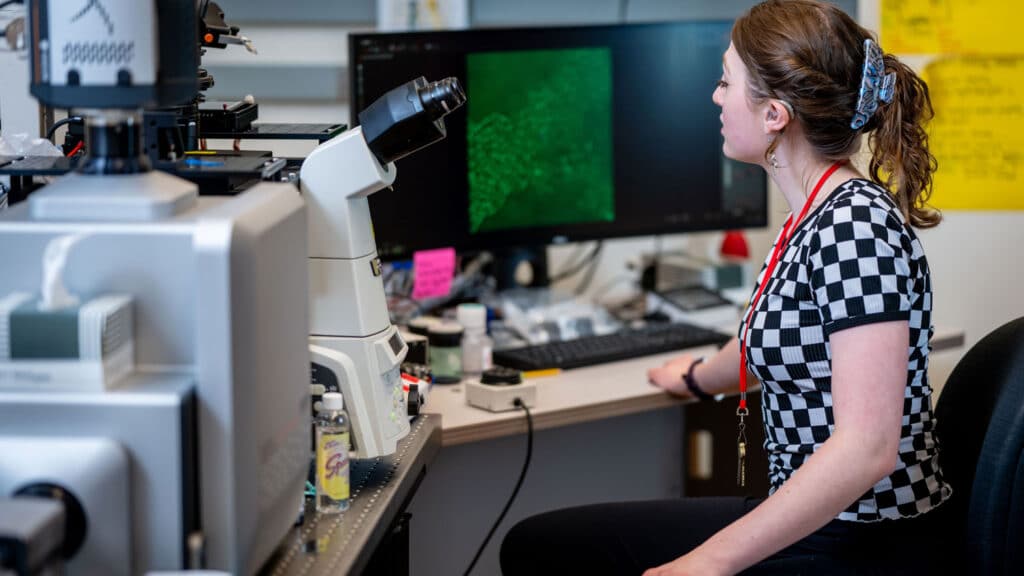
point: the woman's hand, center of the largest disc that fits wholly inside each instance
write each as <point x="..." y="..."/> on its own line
<point x="670" y="375"/>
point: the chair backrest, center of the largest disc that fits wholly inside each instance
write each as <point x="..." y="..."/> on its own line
<point x="980" y="428"/>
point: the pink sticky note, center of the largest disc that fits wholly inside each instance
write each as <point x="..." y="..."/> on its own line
<point x="433" y="271"/>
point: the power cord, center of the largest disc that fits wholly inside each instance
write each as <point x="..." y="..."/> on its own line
<point x="588" y="277"/>
<point x="519" y="483"/>
<point x="61" y="122"/>
<point x="576" y="267"/>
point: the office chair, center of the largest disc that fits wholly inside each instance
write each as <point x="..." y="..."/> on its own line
<point x="980" y="427"/>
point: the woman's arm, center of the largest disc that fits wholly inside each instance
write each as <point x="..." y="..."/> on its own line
<point x="869" y="376"/>
<point x="716" y="375"/>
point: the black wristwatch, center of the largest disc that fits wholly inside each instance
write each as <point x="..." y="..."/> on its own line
<point x="691" y="384"/>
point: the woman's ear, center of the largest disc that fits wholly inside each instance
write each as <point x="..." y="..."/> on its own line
<point x="776" y="117"/>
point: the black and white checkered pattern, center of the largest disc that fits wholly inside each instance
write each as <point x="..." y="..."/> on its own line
<point x="852" y="261"/>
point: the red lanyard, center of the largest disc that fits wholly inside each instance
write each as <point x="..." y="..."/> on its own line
<point x="780" y="246"/>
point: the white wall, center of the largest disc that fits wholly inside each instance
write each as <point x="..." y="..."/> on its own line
<point x="610" y="278"/>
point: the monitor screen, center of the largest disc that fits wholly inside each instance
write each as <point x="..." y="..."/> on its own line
<point x="567" y="134"/>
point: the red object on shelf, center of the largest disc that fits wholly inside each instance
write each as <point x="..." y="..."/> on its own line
<point x="734" y="244"/>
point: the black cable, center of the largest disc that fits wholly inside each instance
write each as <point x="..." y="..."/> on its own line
<point x="61" y="122"/>
<point x="7" y="3"/>
<point x="577" y="267"/>
<point x="526" y="465"/>
<point x="656" y="264"/>
<point x="589" y="276"/>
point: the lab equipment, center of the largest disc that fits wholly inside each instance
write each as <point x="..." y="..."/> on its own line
<point x="499" y="389"/>
<point x="417" y="344"/>
<point x="421" y="324"/>
<point x="608" y="131"/>
<point x="174" y="132"/>
<point x="213" y="424"/>
<point x="352" y="337"/>
<point x="446" y="352"/>
<point x="476" y="345"/>
<point x="332" y="448"/>
<point x="53" y="342"/>
<point x="202" y="448"/>
<point x="215" y="393"/>
<point x="32" y="531"/>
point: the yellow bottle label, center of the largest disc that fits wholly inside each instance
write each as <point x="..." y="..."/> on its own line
<point x="332" y="465"/>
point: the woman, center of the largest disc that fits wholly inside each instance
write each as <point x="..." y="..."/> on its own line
<point x="837" y="331"/>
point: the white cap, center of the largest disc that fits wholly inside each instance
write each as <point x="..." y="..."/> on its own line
<point x="471" y="315"/>
<point x="333" y="401"/>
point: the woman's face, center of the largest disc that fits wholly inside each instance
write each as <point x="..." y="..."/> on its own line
<point x="745" y="138"/>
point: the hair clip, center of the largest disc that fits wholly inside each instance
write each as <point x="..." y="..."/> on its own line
<point x="875" y="85"/>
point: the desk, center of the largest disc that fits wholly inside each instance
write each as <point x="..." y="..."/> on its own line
<point x="581" y="395"/>
<point x="571" y="397"/>
<point x="381" y="489"/>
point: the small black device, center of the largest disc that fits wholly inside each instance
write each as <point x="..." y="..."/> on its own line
<point x="501" y="376"/>
<point x="227" y="116"/>
<point x="692" y="298"/>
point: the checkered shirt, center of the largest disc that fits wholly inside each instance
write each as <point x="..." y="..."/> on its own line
<point x="852" y="261"/>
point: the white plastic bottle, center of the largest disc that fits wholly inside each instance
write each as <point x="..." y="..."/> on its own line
<point x="476" y="344"/>
<point x="332" y="447"/>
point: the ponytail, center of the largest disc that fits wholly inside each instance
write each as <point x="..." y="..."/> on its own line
<point x="900" y="160"/>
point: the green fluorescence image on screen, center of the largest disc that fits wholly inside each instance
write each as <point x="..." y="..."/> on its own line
<point x="539" y="138"/>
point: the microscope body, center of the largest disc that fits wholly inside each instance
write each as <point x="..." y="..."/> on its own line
<point x="202" y="450"/>
<point x="352" y="342"/>
<point x="214" y="420"/>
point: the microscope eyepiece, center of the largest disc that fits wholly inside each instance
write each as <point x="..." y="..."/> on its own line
<point x="441" y="97"/>
<point x="409" y="117"/>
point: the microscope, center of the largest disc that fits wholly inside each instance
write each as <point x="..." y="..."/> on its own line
<point x="154" y="343"/>
<point x="354" y="347"/>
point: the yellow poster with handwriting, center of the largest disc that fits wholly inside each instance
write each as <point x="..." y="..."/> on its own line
<point x="964" y="27"/>
<point x="975" y="73"/>
<point x="977" y="134"/>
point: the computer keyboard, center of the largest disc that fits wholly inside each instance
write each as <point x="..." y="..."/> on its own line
<point x="589" y="350"/>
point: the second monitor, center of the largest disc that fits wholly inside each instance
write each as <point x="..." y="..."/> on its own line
<point x="569" y="134"/>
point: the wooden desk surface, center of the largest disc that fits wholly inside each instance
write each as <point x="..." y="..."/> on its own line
<point x="580" y="395"/>
<point x="573" y="396"/>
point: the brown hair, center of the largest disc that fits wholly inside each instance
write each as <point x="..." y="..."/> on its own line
<point x="811" y="54"/>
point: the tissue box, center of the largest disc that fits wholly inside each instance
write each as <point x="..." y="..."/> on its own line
<point x="88" y="347"/>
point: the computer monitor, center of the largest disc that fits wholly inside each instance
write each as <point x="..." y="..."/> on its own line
<point x="568" y="134"/>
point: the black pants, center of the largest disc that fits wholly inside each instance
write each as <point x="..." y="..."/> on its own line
<point x="630" y="537"/>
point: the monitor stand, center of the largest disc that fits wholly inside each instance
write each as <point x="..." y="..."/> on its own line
<point x="524" y="266"/>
